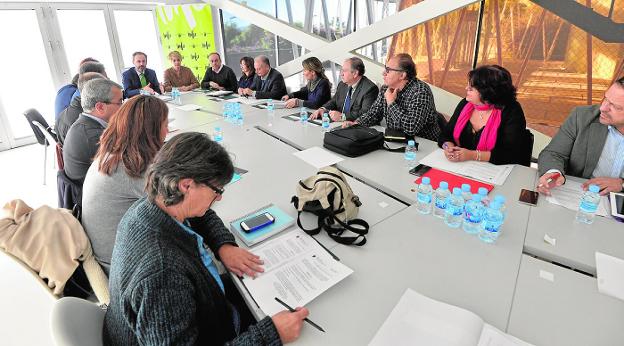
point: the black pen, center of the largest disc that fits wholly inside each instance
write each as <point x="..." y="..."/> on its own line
<point x="305" y="319"/>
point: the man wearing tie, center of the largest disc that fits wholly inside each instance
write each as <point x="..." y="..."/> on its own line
<point x="268" y="83"/>
<point x="354" y="94"/>
<point x="140" y="77"/>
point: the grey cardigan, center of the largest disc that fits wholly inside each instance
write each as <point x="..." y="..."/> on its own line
<point x="576" y="148"/>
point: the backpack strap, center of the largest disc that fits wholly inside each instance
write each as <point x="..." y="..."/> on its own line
<point x="357" y="226"/>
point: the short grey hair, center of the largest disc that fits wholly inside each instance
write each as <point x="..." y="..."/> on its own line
<point x="357" y="65"/>
<point x="97" y="90"/>
<point x="264" y="59"/>
<point x="190" y="155"/>
<point x="92" y="66"/>
<point x="87" y="76"/>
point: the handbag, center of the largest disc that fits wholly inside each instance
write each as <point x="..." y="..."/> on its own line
<point x="353" y="141"/>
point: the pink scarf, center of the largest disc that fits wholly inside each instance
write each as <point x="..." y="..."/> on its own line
<point x="488" y="136"/>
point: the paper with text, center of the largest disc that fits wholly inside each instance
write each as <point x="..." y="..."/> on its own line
<point x="218" y="93"/>
<point x="318" y="157"/>
<point x="610" y="272"/>
<point x="420" y="320"/>
<point x="569" y="195"/>
<point x="252" y="101"/>
<point x="483" y="171"/>
<point x="189" y="107"/>
<point x="296" y="270"/>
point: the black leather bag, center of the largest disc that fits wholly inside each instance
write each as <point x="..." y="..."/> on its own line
<point x="353" y="141"/>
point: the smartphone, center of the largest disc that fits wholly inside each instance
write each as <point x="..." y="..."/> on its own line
<point x="528" y="197"/>
<point x="257" y="222"/>
<point x="419" y="170"/>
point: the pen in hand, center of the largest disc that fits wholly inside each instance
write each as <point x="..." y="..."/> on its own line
<point x="305" y="319"/>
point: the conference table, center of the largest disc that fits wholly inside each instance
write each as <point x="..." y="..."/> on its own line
<point x="500" y="282"/>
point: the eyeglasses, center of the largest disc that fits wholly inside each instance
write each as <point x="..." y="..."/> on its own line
<point x="388" y="69"/>
<point x="218" y="191"/>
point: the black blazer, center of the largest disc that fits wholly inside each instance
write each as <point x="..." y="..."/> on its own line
<point x="81" y="144"/>
<point x="361" y="100"/>
<point x="274" y="86"/>
<point x="67" y="118"/>
<point x="511" y="143"/>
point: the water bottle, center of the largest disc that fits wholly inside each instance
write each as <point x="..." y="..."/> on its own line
<point x="589" y="205"/>
<point x="227" y="110"/>
<point x="238" y="116"/>
<point x="492" y="221"/>
<point x="454" y="209"/>
<point x="303" y="116"/>
<point x="175" y="94"/>
<point x="270" y="105"/>
<point x="270" y="112"/>
<point x="473" y="215"/>
<point x="218" y="134"/>
<point x="144" y="92"/>
<point x="325" y="123"/>
<point x="410" y="154"/>
<point x="441" y="199"/>
<point x="483" y="192"/>
<point x="503" y="208"/>
<point x="466" y="193"/>
<point x="424" y="196"/>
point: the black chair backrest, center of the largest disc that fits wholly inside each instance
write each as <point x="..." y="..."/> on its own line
<point x="34" y="115"/>
<point x="529" y="139"/>
<point x="441" y="119"/>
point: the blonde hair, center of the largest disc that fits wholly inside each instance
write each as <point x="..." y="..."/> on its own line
<point x="175" y="53"/>
<point x="314" y="64"/>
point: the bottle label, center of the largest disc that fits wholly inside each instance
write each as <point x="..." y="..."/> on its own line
<point x="410" y="155"/>
<point x="424" y="198"/>
<point x="588" y="207"/>
<point x="440" y="203"/>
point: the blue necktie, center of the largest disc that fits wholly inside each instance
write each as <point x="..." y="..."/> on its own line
<point x="347" y="103"/>
<point x="263" y="84"/>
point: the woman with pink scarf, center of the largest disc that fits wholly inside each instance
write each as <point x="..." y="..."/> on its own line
<point x="489" y="124"/>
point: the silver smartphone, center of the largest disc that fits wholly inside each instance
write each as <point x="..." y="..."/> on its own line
<point x="256" y="222"/>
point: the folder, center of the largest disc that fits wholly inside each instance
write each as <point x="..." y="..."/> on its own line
<point x="453" y="180"/>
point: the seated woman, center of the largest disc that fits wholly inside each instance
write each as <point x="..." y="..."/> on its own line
<point x="489" y="124"/>
<point x="316" y="92"/>
<point x="179" y="76"/>
<point x="249" y="72"/>
<point x="165" y="288"/>
<point x="116" y="178"/>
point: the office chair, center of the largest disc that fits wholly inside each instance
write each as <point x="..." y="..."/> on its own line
<point x="43" y="132"/>
<point x="76" y="322"/>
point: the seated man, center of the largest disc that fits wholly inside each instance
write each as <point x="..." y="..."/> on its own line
<point x="589" y="144"/>
<point x="67" y="117"/>
<point x="404" y="101"/>
<point x="140" y="77"/>
<point x="354" y="94"/>
<point x="268" y="83"/>
<point x="219" y="76"/>
<point x="100" y="99"/>
<point x="65" y="94"/>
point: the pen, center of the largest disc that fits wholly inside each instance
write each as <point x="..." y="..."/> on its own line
<point x="552" y="178"/>
<point x="305" y="319"/>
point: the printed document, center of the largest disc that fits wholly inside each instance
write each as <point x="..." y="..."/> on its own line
<point x="189" y="107"/>
<point x="419" y="320"/>
<point x="569" y="195"/>
<point x="483" y="171"/>
<point x="218" y="93"/>
<point x="252" y="101"/>
<point x="318" y="157"/>
<point x="296" y="270"/>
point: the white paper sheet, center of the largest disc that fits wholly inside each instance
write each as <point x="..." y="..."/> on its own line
<point x="247" y="100"/>
<point x="276" y="104"/>
<point x="569" y="195"/>
<point x="164" y="97"/>
<point x="492" y="336"/>
<point x="189" y="107"/>
<point x="318" y="157"/>
<point x="610" y="272"/>
<point x="483" y="171"/>
<point x="219" y="93"/>
<point x="296" y="270"/>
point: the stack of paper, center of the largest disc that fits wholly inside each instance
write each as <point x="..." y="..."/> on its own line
<point x="247" y="100"/>
<point x="484" y="171"/>
<point x="569" y="196"/>
<point x="218" y="93"/>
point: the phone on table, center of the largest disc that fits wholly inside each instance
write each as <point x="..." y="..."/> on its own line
<point x="528" y="197"/>
<point x="420" y="170"/>
<point x="256" y="222"/>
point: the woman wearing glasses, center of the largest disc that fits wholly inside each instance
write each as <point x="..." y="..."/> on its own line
<point x="317" y="90"/>
<point x="165" y="287"/>
<point x="489" y="124"/>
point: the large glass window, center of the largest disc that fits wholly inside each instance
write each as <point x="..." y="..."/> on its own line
<point x="27" y="81"/>
<point x="137" y="32"/>
<point x="91" y="40"/>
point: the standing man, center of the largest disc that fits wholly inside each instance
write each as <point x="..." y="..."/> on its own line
<point x="404" y="101"/>
<point x="589" y="144"/>
<point x="268" y="83"/>
<point x="140" y="77"/>
<point x="100" y="99"/>
<point x="219" y="76"/>
<point x="354" y="94"/>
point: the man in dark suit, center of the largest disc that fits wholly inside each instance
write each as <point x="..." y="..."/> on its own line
<point x="354" y="94"/>
<point x="268" y="83"/>
<point x="140" y="77"/>
<point x="100" y="99"/>
<point x="589" y="144"/>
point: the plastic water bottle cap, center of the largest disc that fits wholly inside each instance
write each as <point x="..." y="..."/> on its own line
<point x="411" y="143"/>
<point x="443" y="185"/>
<point x="217" y="128"/>
<point x="426" y="180"/>
<point x="465" y="187"/>
<point x="500" y="199"/>
<point x="457" y="191"/>
<point x="594" y="188"/>
<point x="496" y="205"/>
<point x="476" y="198"/>
<point x="483" y="191"/>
